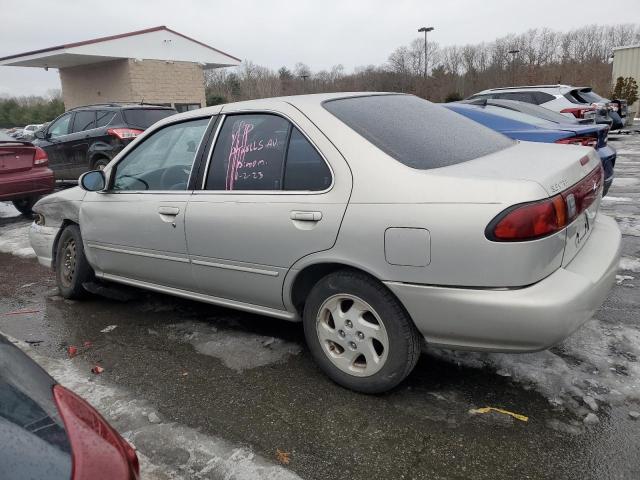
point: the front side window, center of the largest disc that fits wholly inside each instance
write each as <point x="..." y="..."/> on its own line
<point x="84" y="120"/>
<point x="60" y="126"/>
<point x="249" y="153"/>
<point x="163" y="161"/>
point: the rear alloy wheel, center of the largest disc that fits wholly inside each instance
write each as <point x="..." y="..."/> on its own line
<point x="72" y="267"/>
<point x="359" y="333"/>
<point x="25" y="205"/>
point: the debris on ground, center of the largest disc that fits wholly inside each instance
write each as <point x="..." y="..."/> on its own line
<point x="634" y="415"/>
<point x="517" y="416"/>
<point x="591" y="419"/>
<point x="590" y="402"/>
<point x="21" y="312"/>
<point x="112" y="292"/>
<point x="97" y="370"/>
<point x="108" y="329"/>
<point x="72" y="351"/>
<point x="153" y="417"/>
<point x="283" y="457"/>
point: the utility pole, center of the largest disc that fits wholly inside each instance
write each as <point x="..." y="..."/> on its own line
<point x="425" y="30"/>
<point x="513" y="66"/>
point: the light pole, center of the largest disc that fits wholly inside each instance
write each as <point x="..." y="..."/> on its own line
<point x="513" y="66"/>
<point x="425" y="30"/>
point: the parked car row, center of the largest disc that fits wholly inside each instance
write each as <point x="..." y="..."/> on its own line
<point x="580" y="102"/>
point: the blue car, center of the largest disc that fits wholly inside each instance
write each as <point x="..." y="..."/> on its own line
<point x="523" y="126"/>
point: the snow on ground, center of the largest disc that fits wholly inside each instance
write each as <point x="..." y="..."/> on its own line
<point x="630" y="263"/>
<point x="14" y="239"/>
<point x="629" y="223"/>
<point x="238" y="350"/>
<point x="193" y="455"/>
<point x="616" y="199"/>
<point x="598" y="362"/>
<point x="625" y="181"/>
<point x="7" y="210"/>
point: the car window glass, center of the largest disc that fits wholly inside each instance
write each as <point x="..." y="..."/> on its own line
<point x="416" y="132"/>
<point x="542" y="97"/>
<point x="520" y="116"/>
<point x="145" y="117"/>
<point x="249" y="153"/>
<point x="520" y="96"/>
<point x="305" y="169"/>
<point x="163" y="161"/>
<point x="60" y="126"/>
<point x="103" y="117"/>
<point x="84" y="120"/>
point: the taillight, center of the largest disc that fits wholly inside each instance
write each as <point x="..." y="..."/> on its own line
<point x="582" y="141"/>
<point x="40" y="158"/>
<point x="533" y="220"/>
<point x="98" y="451"/>
<point x="124" y="133"/>
<point x="577" y="112"/>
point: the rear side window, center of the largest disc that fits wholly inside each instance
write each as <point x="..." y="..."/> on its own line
<point x="542" y="97"/>
<point x="84" y="120"/>
<point x="416" y="132"/>
<point x="145" y="117"/>
<point x="305" y="169"/>
<point x="104" y="117"/>
<point x="249" y="153"/>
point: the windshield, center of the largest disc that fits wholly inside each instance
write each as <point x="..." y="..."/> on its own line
<point x="416" y="132"/>
<point x="145" y="117"/>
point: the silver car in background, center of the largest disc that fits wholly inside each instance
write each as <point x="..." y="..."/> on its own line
<point x="378" y="220"/>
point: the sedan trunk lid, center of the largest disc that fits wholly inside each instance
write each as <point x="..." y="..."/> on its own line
<point x="16" y="157"/>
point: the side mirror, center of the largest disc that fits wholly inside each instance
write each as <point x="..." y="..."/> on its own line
<point x="92" y="181"/>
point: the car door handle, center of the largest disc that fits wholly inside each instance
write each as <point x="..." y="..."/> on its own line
<point x="305" y="216"/>
<point x="169" y="211"/>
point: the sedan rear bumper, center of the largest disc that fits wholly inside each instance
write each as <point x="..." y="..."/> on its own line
<point x="519" y="320"/>
<point x="18" y="185"/>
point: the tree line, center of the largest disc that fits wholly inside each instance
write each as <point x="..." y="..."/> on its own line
<point x="540" y="56"/>
<point x="22" y="111"/>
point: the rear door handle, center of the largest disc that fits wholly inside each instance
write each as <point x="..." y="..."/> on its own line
<point x="172" y="211"/>
<point x="305" y="216"/>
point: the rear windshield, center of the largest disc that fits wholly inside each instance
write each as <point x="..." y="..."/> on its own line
<point x="145" y="117"/>
<point x="416" y="132"/>
<point x="587" y="96"/>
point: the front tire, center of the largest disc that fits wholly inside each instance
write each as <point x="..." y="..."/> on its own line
<point x="359" y="333"/>
<point x="25" y="205"/>
<point x="72" y="267"/>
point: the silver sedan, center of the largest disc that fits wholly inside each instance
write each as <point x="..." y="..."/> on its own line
<point x="378" y="220"/>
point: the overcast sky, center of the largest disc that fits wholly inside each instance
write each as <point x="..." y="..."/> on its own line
<point x="273" y="33"/>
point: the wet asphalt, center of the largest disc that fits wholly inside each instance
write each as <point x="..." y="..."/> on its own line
<point x="251" y="381"/>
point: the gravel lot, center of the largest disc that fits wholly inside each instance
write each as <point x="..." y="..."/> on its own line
<point x="205" y="392"/>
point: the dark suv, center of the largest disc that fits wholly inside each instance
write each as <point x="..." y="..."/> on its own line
<point x="87" y="138"/>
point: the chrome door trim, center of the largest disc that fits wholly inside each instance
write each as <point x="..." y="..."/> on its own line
<point x="239" y="268"/>
<point x="247" y="307"/>
<point x="135" y="252"/>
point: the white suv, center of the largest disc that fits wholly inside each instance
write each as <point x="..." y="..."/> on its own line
<point x="565" y="99"/>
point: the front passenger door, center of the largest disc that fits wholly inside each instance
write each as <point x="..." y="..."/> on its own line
<point x="134" y="232"/>
<point x="55" y="146"/>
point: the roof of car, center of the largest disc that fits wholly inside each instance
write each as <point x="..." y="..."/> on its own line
<point x="295" y="100"/>
<point x="120" y="105"/>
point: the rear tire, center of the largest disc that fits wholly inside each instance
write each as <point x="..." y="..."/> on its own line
<point x="359" y="333"/>
<point x="25" y="205"/>
<point x="72" y="267"/>
<point x="100" y="163"/>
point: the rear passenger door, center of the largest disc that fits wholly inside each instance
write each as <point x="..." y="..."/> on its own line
<point x="274" y="190"/>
